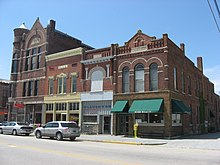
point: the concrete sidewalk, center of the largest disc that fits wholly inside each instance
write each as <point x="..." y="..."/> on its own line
<point x="122" y="140"/>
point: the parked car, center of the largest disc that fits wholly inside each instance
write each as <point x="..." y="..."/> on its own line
<point x="59" y="130"/>
<point x="17" y="128"/>
<point x="3" y="124"/>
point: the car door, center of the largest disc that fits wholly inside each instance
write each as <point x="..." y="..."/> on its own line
<point x="5" y="128"/>
<point x="10" y="127"/>
<point x="47" y="129"/>
<point x="54" y="129"/>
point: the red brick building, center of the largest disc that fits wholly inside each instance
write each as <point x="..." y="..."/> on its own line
<point x="28" y="73"/>
<point x="147" y="81"/>
<point x="97" y="90"/>
<point x="160" y="89"/>
<point x="63" y="86"/>
<point x="4" y="94"/>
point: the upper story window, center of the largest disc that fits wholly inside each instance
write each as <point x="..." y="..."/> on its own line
<point x="61" y="84"/>
<point x="183" y="83"/>
<point x="139" y="78"/>
<point x="36" y="86"/>
<point x="28" y="52"/>
<point x="33" y="58"/>
<point x="175" y="78"/>
<point x="34" y="51"/>
<point x="39" y="49"/>
<point x="14" y="68"/>
<point x="15" y="55"/>
<point x="97" y="81"/>
<point x="189" y="85"/>
<point x="30" y="88"/>
<point x="153" y="77"/>
<point x="50" y="88"/>
<point x="73" y="83"/>
<point x="24" y="88"/>
<point x="125" y="80"/>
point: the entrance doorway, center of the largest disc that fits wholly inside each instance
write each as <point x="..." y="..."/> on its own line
<point x="123" y="125"/>
<point x="107" y="124"/>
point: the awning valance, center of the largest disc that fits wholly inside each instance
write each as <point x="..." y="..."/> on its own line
<point x="119" y="106"/>
<point x="147" y="106"/>
<point x="179" y="107"/>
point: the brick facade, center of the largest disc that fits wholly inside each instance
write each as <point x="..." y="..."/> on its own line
<point x="30" y="47"/>
<point x="196" y="89"/>
<point x="155" y="68"/>
<point x="4" y="94"/>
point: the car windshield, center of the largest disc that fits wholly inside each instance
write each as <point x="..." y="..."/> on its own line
<point x="70" y="125"/>
<point x="19" y="123"/>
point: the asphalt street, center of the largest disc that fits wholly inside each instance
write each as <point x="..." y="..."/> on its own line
<point x="26" y="150"/>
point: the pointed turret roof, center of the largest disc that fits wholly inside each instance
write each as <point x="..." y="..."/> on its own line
<point x="22" y="26"/>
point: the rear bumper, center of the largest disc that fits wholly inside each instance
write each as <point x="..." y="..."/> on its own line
<point x="71" y="135"/>
<point x="21" y="131"/>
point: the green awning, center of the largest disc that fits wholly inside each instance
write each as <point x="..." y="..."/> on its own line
<point x="147" y="106"/>
<point x="119" y="106"/>
<point x="179" y="107"/>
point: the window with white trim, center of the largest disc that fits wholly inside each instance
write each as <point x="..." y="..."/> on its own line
<point x="73" y="83"/>
<point x="125" y="80"/>
<point x="153" y="77"/>
<point x="139" y="78"/>
<point x="61" y="85"/>
<point x="176" y="118"/>
<point x="97" y="81"/>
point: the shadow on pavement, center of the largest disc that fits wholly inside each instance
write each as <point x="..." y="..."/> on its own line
<point x="203" y="136"/>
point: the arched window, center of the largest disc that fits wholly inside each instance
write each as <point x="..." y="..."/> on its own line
<point x="97" y="81"/>
<point x="153" y="77"/>
<point x="139" y="78"/>
<point x="125" y="80"/>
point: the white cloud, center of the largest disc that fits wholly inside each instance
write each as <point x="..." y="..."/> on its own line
<point x="213" y="74"/>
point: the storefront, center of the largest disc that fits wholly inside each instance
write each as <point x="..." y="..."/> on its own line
<point x="63" y="108"/>
<point x="96" y="116"/>
<point x="151" y="116"/>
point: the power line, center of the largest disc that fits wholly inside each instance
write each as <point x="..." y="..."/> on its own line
<point x="216" y="5"/>
<point x="213" y="15"/>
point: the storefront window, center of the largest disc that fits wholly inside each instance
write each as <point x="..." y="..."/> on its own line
<point x="92" y="119"/>
<point x="176" y="119"/>
<point x="149" y="118"/>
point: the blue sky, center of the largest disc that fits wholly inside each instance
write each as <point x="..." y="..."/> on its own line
<point x="100" y="23"/>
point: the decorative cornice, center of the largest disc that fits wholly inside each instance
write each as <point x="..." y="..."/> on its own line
<point x="97" y="60"/>
<point x="31" y="79"/>
<point x="63" y="54"/>
<point x="147" y="51"/>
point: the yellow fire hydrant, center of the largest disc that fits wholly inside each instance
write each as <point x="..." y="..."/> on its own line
<point x="135" y="130"/>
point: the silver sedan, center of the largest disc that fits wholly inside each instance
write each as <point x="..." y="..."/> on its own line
<point x="17" y="128"/>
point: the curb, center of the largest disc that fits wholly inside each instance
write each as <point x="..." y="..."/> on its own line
<point x="126" y="142"/>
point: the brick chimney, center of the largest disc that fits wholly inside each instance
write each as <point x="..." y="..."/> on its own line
<point x="182" y="47"/>
<point x="200" y="64"/>
<point x="51" y="26"/>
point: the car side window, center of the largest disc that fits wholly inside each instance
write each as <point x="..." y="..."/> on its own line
<point x="49" y="125"/>
<point x="12" y="124"/>
<point x="55" y="125"/>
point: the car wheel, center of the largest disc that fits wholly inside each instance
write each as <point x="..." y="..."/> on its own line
<point x="14" y="132"/>
<point x="72" y="138"/>
<point x="1" y="132"/>
<point x="38" y="134"/>
<point x="59" y="136"/>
